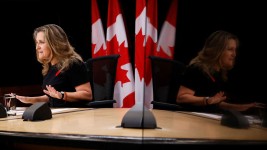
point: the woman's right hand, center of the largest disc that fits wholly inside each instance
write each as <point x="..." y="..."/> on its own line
<point x="244" y="107"/>
<point x="23" y="99"/>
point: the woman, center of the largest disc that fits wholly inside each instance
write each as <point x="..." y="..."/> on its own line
<point x="65" y="81"/>
<point x="204" y="79"/>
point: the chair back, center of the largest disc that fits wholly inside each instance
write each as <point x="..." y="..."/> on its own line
<point x="102" y="73"/>
<point x="166" y="77"/>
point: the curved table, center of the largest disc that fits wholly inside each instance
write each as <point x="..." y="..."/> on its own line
<point x="100" y="128"/>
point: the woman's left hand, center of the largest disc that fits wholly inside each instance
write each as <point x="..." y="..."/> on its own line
<point x="51" y="91"/>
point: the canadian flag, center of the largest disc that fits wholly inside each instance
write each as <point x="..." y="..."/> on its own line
<point x="140" y="32"/>
<point x="145" y="45"/>
<point x="166" y="41"/>
<point x="117" y="44"/>
<point x="99" y="47"/>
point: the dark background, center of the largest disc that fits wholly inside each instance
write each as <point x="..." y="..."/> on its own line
<point x="196" y="20"/>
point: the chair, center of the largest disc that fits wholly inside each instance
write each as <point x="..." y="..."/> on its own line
<point x="166" y="77"/>
<point x="102" y="74"/>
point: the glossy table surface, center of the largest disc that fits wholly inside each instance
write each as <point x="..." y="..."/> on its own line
<point x="103" y="124"/>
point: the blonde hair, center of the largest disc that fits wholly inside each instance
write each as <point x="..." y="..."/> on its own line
<point x="210" y="55"/>
<point x="60" y="47"/>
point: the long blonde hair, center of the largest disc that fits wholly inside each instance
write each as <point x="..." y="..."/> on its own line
<point x="60" y="47"/>
<point x="210" y="55"/>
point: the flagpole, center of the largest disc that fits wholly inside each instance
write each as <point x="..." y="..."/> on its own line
<point x="139" y="116"/>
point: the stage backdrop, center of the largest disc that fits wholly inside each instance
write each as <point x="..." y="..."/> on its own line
<point x="195" y="21"/>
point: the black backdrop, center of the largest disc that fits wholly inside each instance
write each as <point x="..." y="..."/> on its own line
<point x="196" y="20"/>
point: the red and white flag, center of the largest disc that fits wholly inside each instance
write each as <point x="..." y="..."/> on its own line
<point x="117" y="44"/>
<point x="99" y="47"/>
<point x="166" y="41"/>
<point x="151" y="46"/>
<point x="140" y="32"/>
<point x="145" y="45"/>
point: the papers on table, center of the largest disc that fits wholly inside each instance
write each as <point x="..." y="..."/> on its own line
<point x="20" y="110"/>
<point x="17" y="114"/>
<point x="251" y="119"/>
<point x="208" y="115"/>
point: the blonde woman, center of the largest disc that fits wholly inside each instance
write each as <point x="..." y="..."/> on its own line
<point x="65" y="81"/>
<point x="204" y="79"/>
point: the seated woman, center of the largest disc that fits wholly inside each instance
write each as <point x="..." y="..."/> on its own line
<point x="65" y="80"/>
<point x="204" y="80"/>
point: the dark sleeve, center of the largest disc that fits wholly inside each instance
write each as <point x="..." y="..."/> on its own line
<point x="197" y="80"/>
<point x="78" y="74"/>
<point x="193" y="78"/>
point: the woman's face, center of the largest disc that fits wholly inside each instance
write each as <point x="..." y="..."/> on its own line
<point x="42" y="48"/>
<point x="229" y="54"/>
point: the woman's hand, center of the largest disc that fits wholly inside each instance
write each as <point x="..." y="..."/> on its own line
<point x="244" y="107"/>
<point x="51" y="91"/>
<point x="259" y="105"/>
<point x="217" y="98"/>
<point x="23" y="99"/>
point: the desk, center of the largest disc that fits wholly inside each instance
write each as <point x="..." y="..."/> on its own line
<point x="98" y="128"/>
